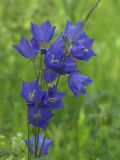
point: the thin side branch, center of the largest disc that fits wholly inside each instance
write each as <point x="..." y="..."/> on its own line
<point x="89" y="14"/>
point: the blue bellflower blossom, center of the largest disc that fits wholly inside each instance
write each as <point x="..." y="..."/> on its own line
<point x="79" y="44"/>
<point x="54" y="55"/>
<point x="64" y="66"/>
<point x="42" y="33"/>
<point x="26" y="48"/>
<point x="57" y="61"/>
<point x="82" y="49"/>
<point x="36" y="46"/>
<point x="69" y="66"/>
<point x="46" y="146"/>
<point x="53" y="98"/>
<point x="78" y="83"/>
<point x="53" y="60"/>
<point x="39" y="116"/>
<point x="31" y="91"/>
<point x="49" y="75"/>
<point x="72" y="32"/>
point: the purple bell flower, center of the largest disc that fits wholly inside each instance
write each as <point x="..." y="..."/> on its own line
<point x="42" y="33"/>
<point x="82" y="49"/>
<point x="69" y="66"/>
<point x="72" y="32"/>
<point x="46" y="147"/>
<point x="31" y="91"/>
<point x="79" y="44"/>
<point x="78" y="83"/>
<point x="50" y="75"/>
<point x="54" y="55"/>
<point x="39" y="116"/>
<point x="36" y="46"/>
<point x="26" y="48"/>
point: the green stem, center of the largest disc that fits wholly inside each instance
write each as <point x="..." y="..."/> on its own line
<point x="43" y="141"/>
<point x="28" y="139"/>
<point x="36" y="134"/>
<point x="58" y="80"/>
<point x="33" y="60"/>
<point x="90" y="12"/>
<point x="38" y="139"/>
<point x="40" y="68"/>
<point x="36" y="143"/>
<point x="39" y="77"/>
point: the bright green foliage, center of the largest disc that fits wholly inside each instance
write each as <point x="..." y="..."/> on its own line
<point x="15" y="150"/>
<point x="87" y="128"/>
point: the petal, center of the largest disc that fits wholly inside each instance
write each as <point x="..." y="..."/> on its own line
<point x="72" y="31"/>
<point x="69" y="66"/>
<point x="46" y="147"/>
<point x="54" y="55"/>
<point x="42" y="33"/>
<point x="50" y="75"/>
<point x="47" y="144"/>
<point x="75" y="87"/>
<point x="87" y="54"/>
<point x="35" y="44"/>
<point x="68" y="70"/>
<point x="25" y="48"/>
<point x="31" y="91"/>
<point x="82" y="54"/>
<point x="39" y="116"/>
<point x="78" y="83"/>
<point x="53" y="98"/>
<point x="31" y="144"/>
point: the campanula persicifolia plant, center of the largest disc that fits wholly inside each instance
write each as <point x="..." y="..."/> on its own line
<point x="55" y="60"/>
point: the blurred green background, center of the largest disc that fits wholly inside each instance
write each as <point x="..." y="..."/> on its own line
<point x="87" y="128"/>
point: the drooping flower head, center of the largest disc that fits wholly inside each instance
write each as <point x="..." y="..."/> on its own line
<point x="42" y="33"/>
<point x="72" y="32"/>
<point x="79" y="44"/>
<point x="78" y="83"/>
<point x="26" y="48"/>
<point x="46" y="146"/>
<point x="49" y="75"/>
<point x="82" y="49"/>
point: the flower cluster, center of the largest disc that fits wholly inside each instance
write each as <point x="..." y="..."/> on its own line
<point x="56" y="59"/>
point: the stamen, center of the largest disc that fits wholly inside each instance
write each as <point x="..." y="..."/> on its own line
<point x="53" y="60"/>
<point x="52" y="99"/>
<point x="31" y="95"/>
<point x="36" y="116"/>
<point x="85" y="50"/>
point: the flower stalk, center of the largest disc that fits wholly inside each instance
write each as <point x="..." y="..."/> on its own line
<point x="89" y="14"/>
<point x="59" y="59"/>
